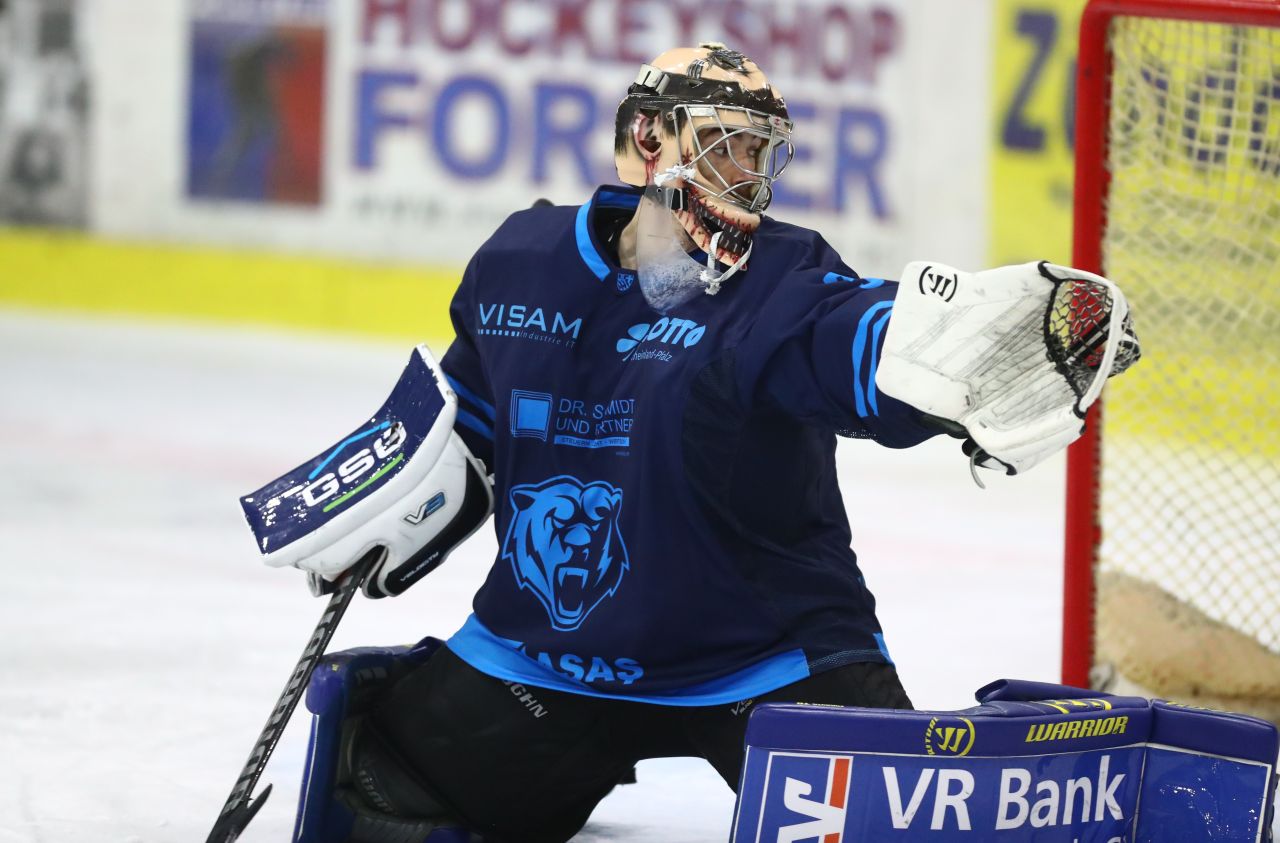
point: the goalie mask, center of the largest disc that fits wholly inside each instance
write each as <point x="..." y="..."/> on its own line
<point x="706" y="132"/>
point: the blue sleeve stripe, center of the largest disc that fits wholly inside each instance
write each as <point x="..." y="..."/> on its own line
<point x="467" y="419"/>
<point x="586" y="248"/>
<point x="875" y="360"/>
<point x="860" y="353"/>
<point x="478" y="402"/>
<point x="863" y="283"/>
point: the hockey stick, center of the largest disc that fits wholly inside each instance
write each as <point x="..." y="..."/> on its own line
<point x="240" y="808"/>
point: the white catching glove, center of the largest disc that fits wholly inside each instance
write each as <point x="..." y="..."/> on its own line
<point x="1011" y="357"/>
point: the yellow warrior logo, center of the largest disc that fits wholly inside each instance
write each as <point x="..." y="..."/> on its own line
<point x="953" y="736"/>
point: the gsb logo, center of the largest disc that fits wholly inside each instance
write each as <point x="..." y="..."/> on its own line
<point x="320" y="487"/>
<point x="666" y="330"/>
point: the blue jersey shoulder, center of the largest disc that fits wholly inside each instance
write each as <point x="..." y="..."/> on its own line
<point x="796" y="236"/>
<point x="530" y="232"/>
<point x="788" y="255"/>
<point x="796" y="246"/>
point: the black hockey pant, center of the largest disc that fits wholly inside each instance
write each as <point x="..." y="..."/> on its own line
<point x="517" y="763"/>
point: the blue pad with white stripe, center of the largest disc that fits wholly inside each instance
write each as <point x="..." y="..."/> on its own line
<point x="1033" y="762"/>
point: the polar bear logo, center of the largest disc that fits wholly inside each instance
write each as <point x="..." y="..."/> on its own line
<point x="563" y="544"/>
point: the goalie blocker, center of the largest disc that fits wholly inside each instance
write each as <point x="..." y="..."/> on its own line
<point x="403" y="482"/>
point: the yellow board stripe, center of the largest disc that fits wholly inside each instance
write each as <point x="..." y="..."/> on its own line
<point x="74" y="271"/>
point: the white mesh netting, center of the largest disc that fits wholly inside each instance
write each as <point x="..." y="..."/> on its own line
<point x="1189" y="566"/>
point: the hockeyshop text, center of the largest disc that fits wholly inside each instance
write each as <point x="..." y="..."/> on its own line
<point x="420" y="84"/>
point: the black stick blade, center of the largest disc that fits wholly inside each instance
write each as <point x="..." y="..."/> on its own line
<point x="232" y="824"/>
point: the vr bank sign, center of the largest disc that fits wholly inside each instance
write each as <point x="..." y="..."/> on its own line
<point x="826" y="798"/>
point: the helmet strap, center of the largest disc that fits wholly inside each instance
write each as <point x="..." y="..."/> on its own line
<point x="711" y="276"/>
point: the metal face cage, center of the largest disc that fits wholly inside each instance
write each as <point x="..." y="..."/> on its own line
<point x="729" y="165"/>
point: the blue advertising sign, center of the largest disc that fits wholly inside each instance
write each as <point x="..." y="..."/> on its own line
<point x="1076" y="769"/>
<point x="255" y="116"/>
<point x="871" y="797"/>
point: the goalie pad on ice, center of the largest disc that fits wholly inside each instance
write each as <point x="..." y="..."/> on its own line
<point x="1014" y="355"/>
<point x="1031" y="763"/>
<point x="403" y="481"/>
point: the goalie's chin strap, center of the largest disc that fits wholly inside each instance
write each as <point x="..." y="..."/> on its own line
<point x="711" y="276"/>
<point x="677" y="199"/>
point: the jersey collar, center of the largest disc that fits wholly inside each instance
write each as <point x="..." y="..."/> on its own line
<point x="595" y="256"/>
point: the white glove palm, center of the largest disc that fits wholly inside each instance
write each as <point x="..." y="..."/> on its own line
<point x="1013" y="356"/>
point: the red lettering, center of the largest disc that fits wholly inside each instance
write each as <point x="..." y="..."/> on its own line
<point x="686" y="17"/>
<point x="571" y="23"/>
<point x="830" y="39"/>
<point x="794" y="37"/>
<point x="738" y="22"/>
<point x="376" y="11"/>
<point x="442" y="28"/>
<point x="509" y="42"/>
<point x="838" y="26"/>
<point x="884" y="36"/>
<point x="630" y="22"/>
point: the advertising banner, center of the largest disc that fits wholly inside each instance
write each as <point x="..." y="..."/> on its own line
<point x="1033" y="153"/>
<point x="406" y="130"/>
<point x="455" y="110"/>
<point x="1076" y="770"/>
<point x="44" y="101"/>
<point x="256" y="103"/>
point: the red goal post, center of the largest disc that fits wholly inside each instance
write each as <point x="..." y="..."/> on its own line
<point x="1178" y="176"/>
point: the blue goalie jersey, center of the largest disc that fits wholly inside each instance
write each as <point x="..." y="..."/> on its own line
<point x="669" y="524"/>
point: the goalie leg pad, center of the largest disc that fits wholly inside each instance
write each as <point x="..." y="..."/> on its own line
<point x="1032" y="762"/>
<point x="345" y="777"/>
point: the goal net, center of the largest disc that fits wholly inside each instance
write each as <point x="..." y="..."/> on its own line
<point x="1173" y="525"/>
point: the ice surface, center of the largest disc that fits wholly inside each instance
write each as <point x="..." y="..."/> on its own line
<point x="145" y="643"/>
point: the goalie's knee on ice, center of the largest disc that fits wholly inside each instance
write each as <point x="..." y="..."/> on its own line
<point x="354" y="788"/>
<point x="376" y="775"/>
